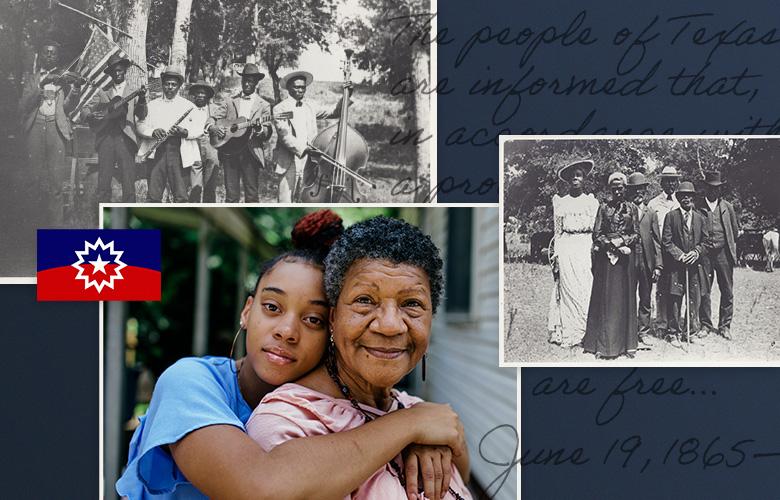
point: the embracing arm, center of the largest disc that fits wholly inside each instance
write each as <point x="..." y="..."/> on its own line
<point x="222" y="461"/>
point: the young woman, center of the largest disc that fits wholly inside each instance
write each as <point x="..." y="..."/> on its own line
<point x="192" y="442"/>
<point x="574" y="215"/>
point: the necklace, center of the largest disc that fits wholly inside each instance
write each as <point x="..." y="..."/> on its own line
<point x="330" y="366"/>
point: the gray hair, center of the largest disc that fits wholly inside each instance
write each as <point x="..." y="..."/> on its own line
<point x="383" y="238"/>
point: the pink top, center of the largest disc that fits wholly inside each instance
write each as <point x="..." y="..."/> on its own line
<point x="293" y="411"/>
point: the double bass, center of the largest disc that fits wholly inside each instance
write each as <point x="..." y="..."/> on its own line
<point x="334" y="171"/>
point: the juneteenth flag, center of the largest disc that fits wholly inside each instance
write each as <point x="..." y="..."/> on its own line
<point x="98" y="264"/>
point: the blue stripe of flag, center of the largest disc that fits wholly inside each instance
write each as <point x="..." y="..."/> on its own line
<point x="57" y="247"/>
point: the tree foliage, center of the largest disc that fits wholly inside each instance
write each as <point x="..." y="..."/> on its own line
<point x="387" y="52"/>
<point x="747" y="165"/>
<point x="284" y="28"/>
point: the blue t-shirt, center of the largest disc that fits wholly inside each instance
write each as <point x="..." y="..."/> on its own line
<point x="192" y="393"/>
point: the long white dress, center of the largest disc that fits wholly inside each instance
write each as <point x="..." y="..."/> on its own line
<point x="574" y="218"/>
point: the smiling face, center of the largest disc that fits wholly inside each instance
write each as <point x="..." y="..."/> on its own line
<point x="286" y="322"/>
<point x="685" y="200"/>
<point x="381" y="323"/>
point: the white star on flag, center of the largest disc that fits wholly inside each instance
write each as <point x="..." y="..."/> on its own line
<point x="99" y="265"/>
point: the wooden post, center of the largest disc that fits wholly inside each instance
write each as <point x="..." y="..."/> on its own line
<point x="202" y="289"/>
<point x="114" y="380"/>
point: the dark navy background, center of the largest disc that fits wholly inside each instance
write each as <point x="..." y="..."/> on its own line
<point x="49" y="420"/>
<point x="657" y="112"/>
<point x="746" y="405"/>
<point x="49" y="417"/>
<point x="57" y="247"/>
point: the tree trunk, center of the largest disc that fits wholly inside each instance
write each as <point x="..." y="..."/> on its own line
<point x="197" y="55"/>
<point x="181" y="29"/>
<point x="422" y="111"/>
<point x="273" y="71"/>
<point x="134" y="19"/>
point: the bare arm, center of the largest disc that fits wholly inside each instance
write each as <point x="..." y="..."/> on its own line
<point x="222" y="461"/>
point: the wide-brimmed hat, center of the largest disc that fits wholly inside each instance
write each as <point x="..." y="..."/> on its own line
<point x="172" y="71"/>
<point x="565" y="171"/>
<point x="637" y="179"/>
<point x="201" y="84"/>
<point x="713" y="179"/>
<point x="116" y="60"/>
<point x="686" y="187"/>
<point x="251" y="69"/>
<point x="669" y="172"/>
<point x="308" y="77"/>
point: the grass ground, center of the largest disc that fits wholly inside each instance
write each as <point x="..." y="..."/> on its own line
<point x="756" y="337"/>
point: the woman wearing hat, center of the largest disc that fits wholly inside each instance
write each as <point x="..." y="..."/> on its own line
<point x="573" y="215"/>
<point x="612" y="315"/>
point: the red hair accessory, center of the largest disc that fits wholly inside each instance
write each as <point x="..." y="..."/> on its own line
<point x="317" y="230"/>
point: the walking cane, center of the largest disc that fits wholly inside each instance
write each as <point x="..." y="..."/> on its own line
<point x="687" y="308"/>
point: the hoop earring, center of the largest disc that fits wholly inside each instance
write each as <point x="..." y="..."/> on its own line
<point x="235" y="338"/>
<point x="423" y="367"/>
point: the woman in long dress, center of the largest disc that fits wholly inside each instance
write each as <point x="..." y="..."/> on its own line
<point x="612" y="315"/>
<point x="574" y="215"/>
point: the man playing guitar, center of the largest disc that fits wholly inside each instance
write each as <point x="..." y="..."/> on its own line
<point x="242" y="162"/>
<point x="112" y="115"/>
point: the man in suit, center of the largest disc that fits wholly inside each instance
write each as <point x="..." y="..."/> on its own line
<point x="243" y="166"/>
<point x="179" y="149"/>
<point x="115" y="139"/>
<point x="294" y="135"/>
<point x="46" y="100"/>
<point x="685" y="238"/>
<point x="721" y="254"/>
<point x="659" y="206"/>
<point x="649" y="262"/>
<point x="203" y="178"/>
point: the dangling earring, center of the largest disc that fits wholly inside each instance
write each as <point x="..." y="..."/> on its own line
<point x="423" y="368"/>
<point x="233" y="345"/>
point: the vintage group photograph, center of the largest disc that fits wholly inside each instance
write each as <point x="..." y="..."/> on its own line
<point x="641" y="250"/>
<point x="205" y="101"/>
<point x="339" y="352"/>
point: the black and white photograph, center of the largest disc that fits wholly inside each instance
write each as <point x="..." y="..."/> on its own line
<point x="206" y="101"/>
<point x="626" y="250"/>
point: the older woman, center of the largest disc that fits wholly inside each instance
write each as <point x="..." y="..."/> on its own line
<point x="612" y="316"/>
<point x="574" y="215"/>
<point x="383" y="280"/>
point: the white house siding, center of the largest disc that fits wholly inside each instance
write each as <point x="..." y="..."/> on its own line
<point x="462" y="363"/>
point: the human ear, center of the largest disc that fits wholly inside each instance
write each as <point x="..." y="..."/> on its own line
<point x="245" y="311"/>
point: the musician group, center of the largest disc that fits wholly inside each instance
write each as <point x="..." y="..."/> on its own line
<point x="183" y="142"/>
